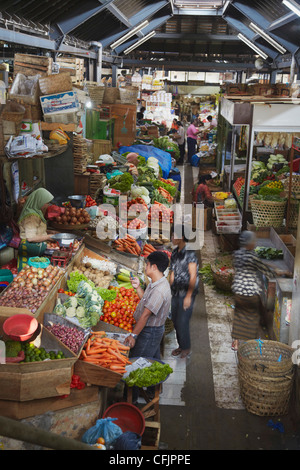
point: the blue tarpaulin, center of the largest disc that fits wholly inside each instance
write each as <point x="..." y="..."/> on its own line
<point x="164" y="158"/>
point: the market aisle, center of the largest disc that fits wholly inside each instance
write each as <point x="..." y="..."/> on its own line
<point x="209" y="414"/>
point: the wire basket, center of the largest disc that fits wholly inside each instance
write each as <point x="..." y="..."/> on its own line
<point x="268" y="213"/>
<point x="266" y="377"/>
<point x="129" y="95"/>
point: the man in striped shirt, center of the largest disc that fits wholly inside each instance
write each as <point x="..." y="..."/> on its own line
<point x="152" y="310"/>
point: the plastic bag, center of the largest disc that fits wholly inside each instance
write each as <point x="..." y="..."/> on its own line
<point x="127" y="441"/>
<point x="103" y="428"/>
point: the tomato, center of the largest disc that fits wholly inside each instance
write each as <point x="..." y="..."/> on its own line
<point x="113" y="314"/>
<point x="61" y="291"/>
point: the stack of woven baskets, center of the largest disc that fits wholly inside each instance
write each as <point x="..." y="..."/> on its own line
<point x="266" y="377"/>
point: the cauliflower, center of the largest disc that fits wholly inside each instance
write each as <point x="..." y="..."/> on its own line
<point x="80" y="311"/>
<point x="59" y="308"/>
<point x="84" y="289"/>
<point x="71" y="312"/>
<point x="71" y="302"/>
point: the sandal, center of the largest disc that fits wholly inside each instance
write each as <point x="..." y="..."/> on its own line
<point x="176" y="352"/>
<point x="185" y="354"/>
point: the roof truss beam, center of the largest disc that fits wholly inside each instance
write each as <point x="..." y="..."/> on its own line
<point x="135" y="20"/>
<point x="254" y="16"/>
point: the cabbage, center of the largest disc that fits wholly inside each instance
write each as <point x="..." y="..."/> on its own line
<point x="139" y="191"/>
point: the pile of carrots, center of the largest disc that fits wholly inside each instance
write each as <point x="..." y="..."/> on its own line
<point x="147" y="250"/>
<point x="128" y="244"/>
<point x="165" y="194"/>
<point x="105" y="352"/>
<point x="167" y="181"/>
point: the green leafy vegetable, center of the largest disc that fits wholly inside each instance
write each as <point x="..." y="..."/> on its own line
<point x="122" y="182"/>
<point x="168" y="187"/>
<point x="75" y="279"/>
<point x="268" y="253"/>
<point x="148" y="376"/>
<point x="106" y="294"/>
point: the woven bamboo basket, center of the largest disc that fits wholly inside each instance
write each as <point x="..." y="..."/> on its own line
<point x="169" y="326"/>
<point x="96" y="94"/>
<point x="295" y="184"/>
<point x="13" y="112"/>
<point x="266" y="377"/>
<point x="223" y="279"/>
<point x="129" y="95"/>
<point x="294" y="213"/>
<point x="111" y="95"/>
<point x="267" y="213"/>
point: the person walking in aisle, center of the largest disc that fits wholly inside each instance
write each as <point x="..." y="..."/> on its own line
<point x="247" y="288"/>
<point x="184" y="283"/>
<point x="192" y="136"/>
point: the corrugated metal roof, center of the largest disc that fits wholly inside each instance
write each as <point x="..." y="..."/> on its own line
<point x="130" y="8"/>
<point x="99" y="26"/>
<point x="270" y="9"/>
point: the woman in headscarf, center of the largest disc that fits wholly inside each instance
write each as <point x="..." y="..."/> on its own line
<point x="33" y="226"/>
<point x="247" y="288"/>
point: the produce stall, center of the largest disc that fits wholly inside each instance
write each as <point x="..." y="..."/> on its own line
<point x="272" y="123"/>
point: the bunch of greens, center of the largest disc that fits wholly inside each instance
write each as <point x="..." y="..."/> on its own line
<point x="164" y="143"/>
<point x="106" y="294"/>
<point x="148" y="376"/>
<point x="268" y="253"/>
<point x="122" y="182"/>
<point x="266" y="191"/>
<point x="268" y="197"/>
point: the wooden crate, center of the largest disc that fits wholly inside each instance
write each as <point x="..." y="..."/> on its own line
<point x="30" y="65"/>
<point x="42" y="379"/>
<point x="101" y="147"/>
<point x="95" y="374"/>
<point x="151" y="436"/>
<point x="25" y="409"/>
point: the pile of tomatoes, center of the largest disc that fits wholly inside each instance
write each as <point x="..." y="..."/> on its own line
<point x="119" y="312"/>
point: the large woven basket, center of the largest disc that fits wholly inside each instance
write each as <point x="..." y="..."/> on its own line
<point x="267" y="213"/>
<point x="266" y="377"/>
<point x="129" y="95"/>
<point x="96" y="94"/>
<point x="111" y="95"/>
<point x="223" y="279"/>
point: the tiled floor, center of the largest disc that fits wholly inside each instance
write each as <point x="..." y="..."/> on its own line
<point x="224" y="361"/>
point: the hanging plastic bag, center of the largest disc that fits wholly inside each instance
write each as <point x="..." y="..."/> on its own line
<point x="103" y="428"/>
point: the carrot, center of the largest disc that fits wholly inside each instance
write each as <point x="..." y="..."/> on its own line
<point x="111" y="351"/>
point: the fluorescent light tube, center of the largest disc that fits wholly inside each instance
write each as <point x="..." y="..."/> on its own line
<point x="295" y="7"/>
<point x="129" y="34"/>
<point x="268" y="38"/>
<point x="253" y="46"/>
<point x="144" y="39"/>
